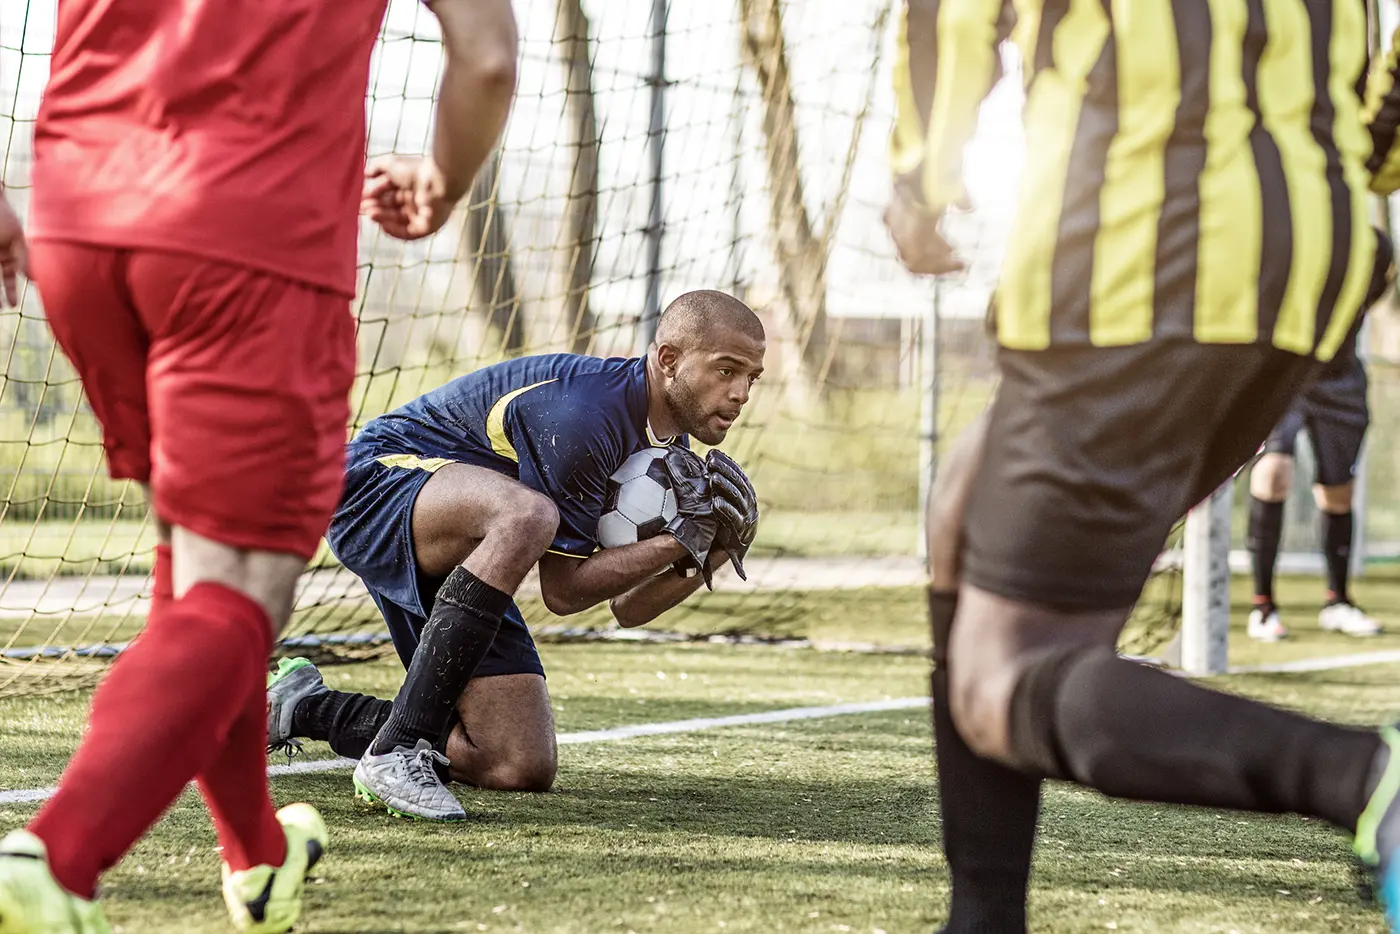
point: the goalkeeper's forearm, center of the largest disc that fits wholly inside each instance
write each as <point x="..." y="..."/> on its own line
<point x="649" y="599"/>
<point x="572" y="585"/>
<point x="478" y="82"/>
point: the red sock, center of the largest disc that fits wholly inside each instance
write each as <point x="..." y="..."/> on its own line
<point x="235" y="788"/>
<point x="235" y="784"/>
<point x="160" y="717"/>
<point x="162" y="582"/>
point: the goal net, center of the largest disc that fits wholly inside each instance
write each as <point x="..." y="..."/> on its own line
<point x="737" y="146"/>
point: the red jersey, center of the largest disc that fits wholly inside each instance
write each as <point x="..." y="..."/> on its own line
<point x="233" y="129"/>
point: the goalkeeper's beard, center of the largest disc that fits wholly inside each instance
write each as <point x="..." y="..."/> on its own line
<point x="689" y="413"/>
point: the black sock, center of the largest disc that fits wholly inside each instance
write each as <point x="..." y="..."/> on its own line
<point x="349" y="722"/>
<point x="1336" y="535"/>
<point x="989" y="812"/>
<point x="466" y="616"/>
<point x="1265" y="533"/>
<point x="1131" y="731"/>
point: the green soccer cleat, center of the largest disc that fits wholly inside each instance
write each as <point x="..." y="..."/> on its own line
<point x="267" y="899"/>
<point x="294" y="680"/>
<point x="32" y="901"/>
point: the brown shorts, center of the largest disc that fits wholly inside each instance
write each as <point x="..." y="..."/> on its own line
<point x="1092" y="454"/>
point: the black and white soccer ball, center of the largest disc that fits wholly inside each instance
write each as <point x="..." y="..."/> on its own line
<point x="639" y="502"/>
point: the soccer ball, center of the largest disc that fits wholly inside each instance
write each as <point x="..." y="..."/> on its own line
<point x="639" y="501"/>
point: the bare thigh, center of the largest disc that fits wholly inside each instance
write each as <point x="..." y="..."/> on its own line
<point x="467" y="511"/>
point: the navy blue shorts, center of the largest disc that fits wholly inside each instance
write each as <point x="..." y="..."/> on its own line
<point x="371" y="533"/>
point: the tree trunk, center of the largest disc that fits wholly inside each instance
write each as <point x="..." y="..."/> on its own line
<point x="800" y="253"/>
<point x="487" y="248"/>
<point x="571" y="30"/>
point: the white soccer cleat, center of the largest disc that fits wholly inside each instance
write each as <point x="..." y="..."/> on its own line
<point x="1347" y="619"/>
<point x="406" y="783"/>
<point x="1265" y="626"/>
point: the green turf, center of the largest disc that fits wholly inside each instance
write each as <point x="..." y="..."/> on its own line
<point x="836" y="618"/>
<point x="820" y="826"/>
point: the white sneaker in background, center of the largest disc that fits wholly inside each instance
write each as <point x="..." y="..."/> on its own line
<point x="1347" y="619"/>
<point x="1264" y="625"/>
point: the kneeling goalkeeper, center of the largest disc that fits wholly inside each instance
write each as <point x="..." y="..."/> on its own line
<point x="452" y="498"/>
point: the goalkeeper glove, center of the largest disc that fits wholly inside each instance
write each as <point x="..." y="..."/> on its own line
<point x="695" y="524"/>
<point x="735" y="506"/>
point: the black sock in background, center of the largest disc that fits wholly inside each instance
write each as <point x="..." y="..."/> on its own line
<point x="1337" y="530"/>
<point x="1265" y="533"/>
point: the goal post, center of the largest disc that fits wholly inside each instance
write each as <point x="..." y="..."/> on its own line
<point x="1205" y="599"/>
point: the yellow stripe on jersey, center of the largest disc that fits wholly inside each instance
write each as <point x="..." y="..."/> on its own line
<point x="567" y="554"/>
<point x="1286" y="90"/>
<point x="907" y="138"/>
<point x="1121" y="296"/>
<point x="967" y="60"/>
<point x="496" y="421"/>
<point x="1181" y="183"/>
<point x="1229" y="227"/>
<point x="1056" y="97"/>
<point x="927" y="143"/>
<point x="1382" y="116"/>
<point x="414" y="462"/>
<point x="1349" y="58"/>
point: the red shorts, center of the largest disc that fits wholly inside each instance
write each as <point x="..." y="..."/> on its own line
<point x="224" y="388"/>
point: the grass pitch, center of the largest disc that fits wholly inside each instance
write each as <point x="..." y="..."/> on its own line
<point x="818" y="826"/>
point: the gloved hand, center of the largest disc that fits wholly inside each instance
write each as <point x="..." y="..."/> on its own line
<point x="695" y="524"/>
<point x="735" y="506"/>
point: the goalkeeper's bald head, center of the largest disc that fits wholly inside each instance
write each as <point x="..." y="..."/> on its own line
<point x="704" y="317"/>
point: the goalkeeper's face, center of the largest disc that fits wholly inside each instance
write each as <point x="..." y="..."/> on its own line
<point x="712" y="383"/>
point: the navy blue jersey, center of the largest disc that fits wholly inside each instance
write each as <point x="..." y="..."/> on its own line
<point x="559" y="423"/>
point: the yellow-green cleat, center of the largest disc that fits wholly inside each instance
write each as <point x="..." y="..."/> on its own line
<point x="32" y="901"/>
<point x="1378" y="831"/>
<point x="267" y="899"/>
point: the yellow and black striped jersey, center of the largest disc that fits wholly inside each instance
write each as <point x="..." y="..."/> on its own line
<point x="1383" y="117"/>
<point x="1197" y="169"/>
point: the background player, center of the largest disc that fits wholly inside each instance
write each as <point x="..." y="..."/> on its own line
<point x="1334" y="411"/>
<point x="198" y="167"/>
<point x="1162" y="302"/>
<point x="453" y="497"/>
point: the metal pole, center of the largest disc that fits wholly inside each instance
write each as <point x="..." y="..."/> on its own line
<point x="656" y="135"/>
<point x="1205" y="599"/>
<point x="928" y="411"/>
<point x="736" y="192"/>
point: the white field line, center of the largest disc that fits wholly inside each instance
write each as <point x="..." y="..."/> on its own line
<point x="31" y="795"/>
<point x="1300" y="665"/>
